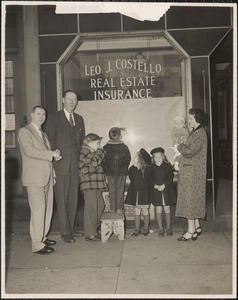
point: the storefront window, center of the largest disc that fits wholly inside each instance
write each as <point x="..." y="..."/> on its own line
<point x="124" y="68"/>
<point x="9" y="106"/>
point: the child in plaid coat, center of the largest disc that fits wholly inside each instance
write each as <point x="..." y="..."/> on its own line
<point x="92" y="184"/>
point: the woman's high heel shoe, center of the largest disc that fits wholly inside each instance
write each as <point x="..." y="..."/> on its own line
<point x="199" y="230"/>
<point x="193" y="237"/>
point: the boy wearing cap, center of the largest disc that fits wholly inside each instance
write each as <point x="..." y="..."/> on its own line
<point x="92" y="184"/>
<point x="115" y="165"/>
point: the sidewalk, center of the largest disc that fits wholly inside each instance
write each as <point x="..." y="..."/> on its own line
<point x="148" y="267"/>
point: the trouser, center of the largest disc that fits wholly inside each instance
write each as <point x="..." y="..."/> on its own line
<point x="93" y="209"/>
<point x="116" y="187"/>
<point x="41" y="205"/>
<point x="66" y="194"/>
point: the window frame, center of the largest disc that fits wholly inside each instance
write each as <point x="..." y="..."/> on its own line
<point x="80" y="38"/>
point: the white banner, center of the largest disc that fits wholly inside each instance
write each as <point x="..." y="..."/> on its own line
<point x="148" y="123"/>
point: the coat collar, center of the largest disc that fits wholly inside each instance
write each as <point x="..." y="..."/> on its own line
<point x="199" y="126"/>
<point x="163" y="165"/>
<point x="34" y="132"/>
<point x="115" y="142"/>
<point x="65" y="121"/>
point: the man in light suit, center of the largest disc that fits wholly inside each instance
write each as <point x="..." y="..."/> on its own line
<point x="38" y="177"/>
<point x="66" y="132"/>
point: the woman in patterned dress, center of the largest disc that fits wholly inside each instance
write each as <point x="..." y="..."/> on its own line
<point x="191" y="202"/>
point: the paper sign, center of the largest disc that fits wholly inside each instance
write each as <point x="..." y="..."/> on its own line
<point x="10" y="121"/>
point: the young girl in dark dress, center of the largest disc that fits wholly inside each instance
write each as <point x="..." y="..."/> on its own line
<point x="139" y="190"/>
<point x="163" y="192"/>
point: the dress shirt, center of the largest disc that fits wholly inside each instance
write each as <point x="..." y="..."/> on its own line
<point x="38" y="129"/>
<point x="67" y="114"/>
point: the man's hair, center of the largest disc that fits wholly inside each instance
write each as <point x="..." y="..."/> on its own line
<point x="37" y="106"/>
<point x="69" y="91"/>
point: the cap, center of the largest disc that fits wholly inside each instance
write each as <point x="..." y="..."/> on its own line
<point x="91" y="137"/>
<point x="145" y="155"/>
<point x="157" y="150"/>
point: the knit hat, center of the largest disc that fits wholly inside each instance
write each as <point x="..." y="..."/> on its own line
<point x="145" y="155"/>
<point x="157" y="150"/>
<point x="91" y="137"/>
<point x="179" y="118"/>
<point x="115" y="133"/>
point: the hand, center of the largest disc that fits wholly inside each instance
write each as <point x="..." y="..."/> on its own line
<point x="174" y="148"/>
<point x="183" y="139"/>
<point x="58" y="151"/>
<point x="56" y="155"/>
<point x="156" y="186"/>
<point x="160" y="187"/>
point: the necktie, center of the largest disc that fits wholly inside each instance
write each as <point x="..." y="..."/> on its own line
<point x="44" y="139"/>
<point x="71" y="120"/>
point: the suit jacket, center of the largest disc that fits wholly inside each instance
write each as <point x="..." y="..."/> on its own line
<point x="36" y="158"/>
<point x="57" y="128"/>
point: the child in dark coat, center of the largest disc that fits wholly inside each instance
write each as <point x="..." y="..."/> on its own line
<point x="139" y="190"/>
<point x="115" y="165"/>
<point x="163" y="192"/>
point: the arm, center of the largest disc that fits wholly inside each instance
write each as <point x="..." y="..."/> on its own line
<point x="169" y="175"/>
<point x="133" y="174"/>
<point x="128" y="158"/>
<point x="104" y="162"/>
<point x="89" y="161"/>
<point x="27" y="146"/>
<point x="82" y="136"/>
<point x="190" y="150"/>
<point x="97" y="157"/>
<point x="51" y="130"/>
<point x="151" y="179"/>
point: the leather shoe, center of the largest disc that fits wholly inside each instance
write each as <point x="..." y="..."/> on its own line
<point x="92" y="239"/>
<point x="45" y="250"/>
<point x="49" y="242"/>
<point x="68" y="239"/>
<point x="77" y="234"/>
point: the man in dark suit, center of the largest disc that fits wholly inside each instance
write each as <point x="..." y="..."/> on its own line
<point x="66" y="132"/>
<point x="38" y="176"/>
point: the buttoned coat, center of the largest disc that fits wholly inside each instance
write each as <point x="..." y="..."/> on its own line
<point x="58" y="130"/>
<point x="192" y="177"/>
<point x="139" y="185"/>
<point x="36" y="158"/>
<point x="160" y="175"/>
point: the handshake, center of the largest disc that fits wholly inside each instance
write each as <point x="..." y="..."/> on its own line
<point x="159" y="187"/>
<point x="56" y="155"/>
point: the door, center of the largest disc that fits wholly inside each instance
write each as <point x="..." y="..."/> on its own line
<point x="223" y="128"/>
